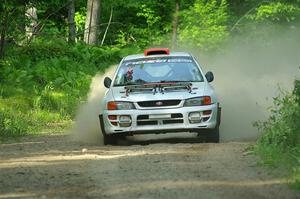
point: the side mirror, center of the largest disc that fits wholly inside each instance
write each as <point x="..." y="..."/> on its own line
<point x="107" y="82"/>
<point x="209" y="76"/>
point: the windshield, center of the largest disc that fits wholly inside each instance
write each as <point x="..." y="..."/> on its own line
<point x="158" y="70"/>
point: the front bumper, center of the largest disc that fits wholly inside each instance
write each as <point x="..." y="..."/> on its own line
<point x="159" y="120"/>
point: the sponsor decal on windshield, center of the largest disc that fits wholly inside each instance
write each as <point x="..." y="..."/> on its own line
<point x="153" y="61"/>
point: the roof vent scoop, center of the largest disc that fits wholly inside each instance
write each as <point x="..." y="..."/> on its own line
<point x="157" y="51"/>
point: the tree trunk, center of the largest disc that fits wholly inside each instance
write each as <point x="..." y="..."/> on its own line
<point x="71" y="16"/>
<point x="92" y="22"/>
<point x="3" y="34"/>
<point x="175" y="24"/>
<point x="22" y="20"/>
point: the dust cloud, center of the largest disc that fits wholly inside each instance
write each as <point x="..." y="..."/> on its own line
<point x="87" y="126"/>
<point x="248" y="75"/>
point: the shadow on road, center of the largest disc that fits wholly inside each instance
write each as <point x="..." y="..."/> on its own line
<point x="159" y="139"/>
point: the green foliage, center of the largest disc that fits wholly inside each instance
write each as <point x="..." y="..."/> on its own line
<point x="43" y="83"/>
<point x="204" y="25"/>
<point x="281" y="130"/>
<point x="11" y="122"/>
<point x="80" y="17"/>
<point x="277" y="12"/>
<point x="297" y="91"/>
<point x="144" y="23"/>
<point x="280" y="142"/>
<point x="149" y="15"/>
<point x="152" y="30"/>
<point x="19" y="118"/>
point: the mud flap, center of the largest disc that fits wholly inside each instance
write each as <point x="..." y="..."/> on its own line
<point x="219" y="115"/>
<point x="102" y="124"/>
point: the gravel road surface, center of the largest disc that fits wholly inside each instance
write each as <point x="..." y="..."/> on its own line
<point x="56" y="167"/>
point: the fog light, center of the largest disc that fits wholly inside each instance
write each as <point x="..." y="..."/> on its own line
<point x="195" y="117"/>
<point x="114" y="123"/>
<point x="124" y="120"/>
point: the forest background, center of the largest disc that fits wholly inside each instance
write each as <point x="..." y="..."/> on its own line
<point x="50" y="50"/>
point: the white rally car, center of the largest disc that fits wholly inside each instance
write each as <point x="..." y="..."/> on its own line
<point x="159" y="92"/>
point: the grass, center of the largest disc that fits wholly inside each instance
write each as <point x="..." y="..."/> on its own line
<point x="42" y="84"/>
<point x="287" y="161"/>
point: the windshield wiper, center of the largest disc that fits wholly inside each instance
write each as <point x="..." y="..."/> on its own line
<point x="157" y="86"/>
<point x="177" y="81"/>
<point x="173" y="81"/>
<point x="129" y="84"/>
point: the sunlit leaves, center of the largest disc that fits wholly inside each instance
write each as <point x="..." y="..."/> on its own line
<point x="204" y="25"/>
<point x="277" y="12"/>
<point x="80" y="17"/>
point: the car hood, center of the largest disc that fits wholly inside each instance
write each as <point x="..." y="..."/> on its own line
<point x="198" y="89"/>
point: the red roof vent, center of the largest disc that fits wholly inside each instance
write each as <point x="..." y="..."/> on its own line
<point x="157" y="51"/>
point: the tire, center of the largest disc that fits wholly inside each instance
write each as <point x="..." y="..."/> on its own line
<point x="213" y="136"/>
<point x="107" y="139"/>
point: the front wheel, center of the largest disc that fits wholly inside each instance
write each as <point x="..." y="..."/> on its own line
<point x="214" y="134"/>
<point x="107" y="139"/>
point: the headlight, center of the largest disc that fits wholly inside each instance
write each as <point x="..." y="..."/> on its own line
<point x="120" y="105"/>
<point x="198" y="101"/>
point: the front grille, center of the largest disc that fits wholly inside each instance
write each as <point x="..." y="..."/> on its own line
<point x="143" y="120"/>
<point x="176" y="115"/>
<point x="172" y="121"/>
<point x="143" y="117"/>
<point x="142" y="123"/>
<point x="159" y="103"/>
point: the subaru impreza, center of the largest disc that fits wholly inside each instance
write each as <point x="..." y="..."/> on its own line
<point x="159" y="92"/>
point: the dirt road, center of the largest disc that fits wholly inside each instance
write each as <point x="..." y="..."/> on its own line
<point x="54" y="167"/>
